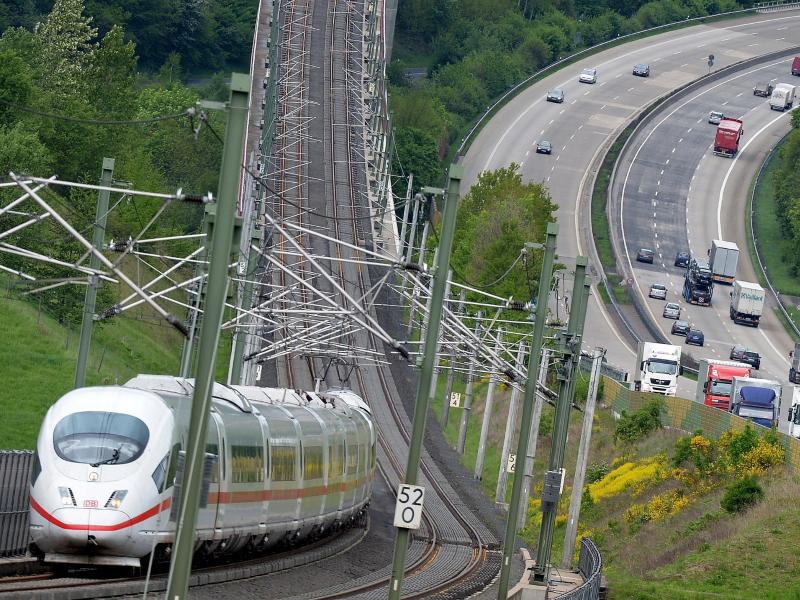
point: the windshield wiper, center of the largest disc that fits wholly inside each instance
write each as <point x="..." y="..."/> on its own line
<point x="114" y="458"/>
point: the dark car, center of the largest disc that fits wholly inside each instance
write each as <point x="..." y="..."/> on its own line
<point x="641" y="70"/>
<point x="682" y="259"/>
<point x="544" y="147"/>
<point x="696" y="337"/>
<point x="555" y="96"/>
<point x="737" y="352"/>
<point x="645" y="255"/>
<point x="749" y="357"/>
<point x="680" y="328"/>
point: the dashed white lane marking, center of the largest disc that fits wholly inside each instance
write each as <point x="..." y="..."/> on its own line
<point x="673" y="150"/>
<point x="676" y="53"/>
<point x="684" y="65"/>
<point x="739" y="94"/>
<point x="631" y="89"/>
<point x="602" y="83"/>
<point x="666" y="163"/>
<point x="680" y="140"/>
<point x="618" y="76"/>
<point x="776" y="29"/>
<point x="783" y="38"/>
<point x="699" y="120"/>
<point x="749" y="45"/>
<point x="522" y="163"/>
<point x="527" y="153"/>
<point x="572" y="136"/>
<point x="551" y="121"/>
<point x="726" y="39"/>
<point x="586" y="93"/>
<point x="557" y="157"/>
<point x="662" y="171"/>
<point x="548" y="178"/>
<point x="573" y="102"/>
<point x="615" y="98"/>
<point x="656" y="194"/>
<point x="724" y="103"/>
<point x="689" y="130"/>
<point x="562" y="111"/>
<point x="541" y="132"/>
<point x="701" y="45"/>
<point x="580" y="127"/>
<point x="658" y="182"/>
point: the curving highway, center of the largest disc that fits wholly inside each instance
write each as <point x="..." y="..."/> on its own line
<point x="675" y="194"/>
<point x="592" y="115"/>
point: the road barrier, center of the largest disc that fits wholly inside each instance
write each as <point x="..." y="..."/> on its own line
<point x="15" y="469"/>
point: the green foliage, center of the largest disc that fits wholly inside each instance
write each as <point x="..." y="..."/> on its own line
<point x="634" y="426"/>
<point x="546" y="423"/>
<point x="419" y="153"/>
<point x="596" y="471"/>
<point x="741" y="443"/>
<point x="741" y="495"/>
<point x="496" y="218"/>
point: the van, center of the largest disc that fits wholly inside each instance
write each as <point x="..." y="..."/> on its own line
<point x="796" y="66"/>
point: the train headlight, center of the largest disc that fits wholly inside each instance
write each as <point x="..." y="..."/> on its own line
<point x="115" y="499"/>
<point x="67" y="497"/>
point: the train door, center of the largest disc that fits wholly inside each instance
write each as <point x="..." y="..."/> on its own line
<point x="213" y="474"/>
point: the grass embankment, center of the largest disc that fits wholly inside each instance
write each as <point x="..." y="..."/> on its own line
<point x="653" y="506"/>
<point x="38" y="356"/>
<point x="768" y="227"/>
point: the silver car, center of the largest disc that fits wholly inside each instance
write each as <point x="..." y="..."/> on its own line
<point x="672" y="310"/>
<point x="588" y="76"/>
<point x="658" y="291"/>
<point x="714" y="117"/>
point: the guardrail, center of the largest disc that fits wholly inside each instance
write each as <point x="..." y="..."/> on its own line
<point x="754" y="239"/>
<point x="15" y="469"/>
<point x="778" y="5"/>
<point x="467" y="139"/>
<point x="590" y="566"/>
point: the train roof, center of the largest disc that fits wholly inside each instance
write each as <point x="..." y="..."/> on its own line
<point x="242" y="396"/>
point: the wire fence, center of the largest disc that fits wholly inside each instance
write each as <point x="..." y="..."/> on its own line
<point x="590" y="566"/>
<point x="15" y="469"/>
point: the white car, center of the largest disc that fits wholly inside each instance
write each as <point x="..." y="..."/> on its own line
<point x="672" y="310"/>
<point x="588" y="76"/>
<point x="658" y="291"/>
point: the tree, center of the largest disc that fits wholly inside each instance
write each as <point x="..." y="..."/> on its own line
<point x="495" y="220"/>
<point x="16" y="84"/>
<point x="66" y="51"/>
<point x="417" y="153"/>
<point x="113" y="75"/>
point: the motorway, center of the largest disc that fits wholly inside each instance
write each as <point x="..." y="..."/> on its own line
<point x="675" y="194"/>
<point x="592" y="115"/>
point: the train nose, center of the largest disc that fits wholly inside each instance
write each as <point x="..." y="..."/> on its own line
<point x="93" y="529"/>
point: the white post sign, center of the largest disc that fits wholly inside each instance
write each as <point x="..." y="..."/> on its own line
<point x="455" y="399"/>
<point x="408" y="510"/>
<point x="512" y="463"/>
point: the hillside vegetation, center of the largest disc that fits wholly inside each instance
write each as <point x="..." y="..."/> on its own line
<point x="675" y="515"/>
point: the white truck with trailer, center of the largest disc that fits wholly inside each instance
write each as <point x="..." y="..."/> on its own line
<point x="782" y="97"/>
<point x="758" y="400"/>
<point x="747" y="303"/>
<point x="657" y="368"/>
<point x="723" y="256"/>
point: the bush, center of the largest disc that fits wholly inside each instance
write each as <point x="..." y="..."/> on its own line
<point x="596" y="471"/>
<point x="741" y="494"/>
<point x="633" y="427"/>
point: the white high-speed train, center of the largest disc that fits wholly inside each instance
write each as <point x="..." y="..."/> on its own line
<point x="280" y="465"/>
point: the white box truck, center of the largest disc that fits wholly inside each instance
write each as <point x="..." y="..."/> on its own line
<point x="758" y="400"/>
<point x="747" y="303"/>
<point x="657" y="368"/>
<point x="724" y="257"/>
<point x="794" y="413"/>
<point x="782" y="97"/>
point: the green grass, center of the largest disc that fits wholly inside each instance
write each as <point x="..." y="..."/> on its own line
<point x="768" y="229"/>
<point x="38" y="356"/>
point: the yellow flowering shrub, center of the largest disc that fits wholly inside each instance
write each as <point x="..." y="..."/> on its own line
<point x="762" y="457"/>
<point x="701" y="444"/>
<point x="630" y="475"/>
<point x="658" y="507"/>
<point x="561" y="519"/>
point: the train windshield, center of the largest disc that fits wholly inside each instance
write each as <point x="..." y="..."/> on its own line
<point x="100" y="438"/>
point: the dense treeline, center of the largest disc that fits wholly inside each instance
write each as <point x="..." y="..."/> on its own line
<point x="63" y="65"/>
<point x="474" y="50"/>
<point x="207" y="35"/>
<point x="786" y="182"/>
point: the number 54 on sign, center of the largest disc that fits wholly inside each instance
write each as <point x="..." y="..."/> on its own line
<point x="408" y="510"/>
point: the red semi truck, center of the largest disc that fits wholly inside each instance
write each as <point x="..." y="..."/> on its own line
<point x="729" y="132"/>
<point x="715" y="381"/>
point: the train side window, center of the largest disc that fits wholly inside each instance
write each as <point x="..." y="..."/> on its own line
<point x="164" y="474"/>
<point x="283" y="463"/>
<point x="247" y="464"/>
<point x="336" y="459"/>
<point x="353" y="451"/>
<point x="312" y="462"/>
<point x="374" y="455"/>
<point x="36" y="468"/>
<point x="214" y="449"/>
